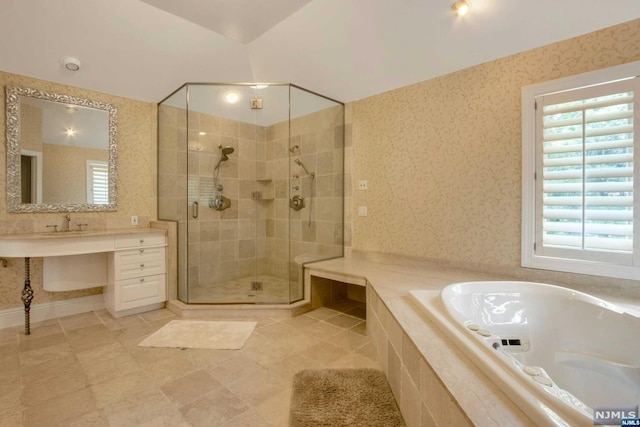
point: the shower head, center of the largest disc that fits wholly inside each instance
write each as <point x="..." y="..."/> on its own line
<point x="299" y="163"/>
<point x="225" y="151"/>
<point x="224" y="155"/>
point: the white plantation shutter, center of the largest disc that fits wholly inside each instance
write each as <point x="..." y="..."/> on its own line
<point x="97" y="182"/>
<point x="585" y="171"/>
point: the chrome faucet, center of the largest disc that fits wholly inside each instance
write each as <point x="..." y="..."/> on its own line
<point x="67" y="223"/>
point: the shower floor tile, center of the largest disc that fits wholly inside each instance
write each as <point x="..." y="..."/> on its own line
<point x="275" y="290"/>
<point x="116" y="383"/>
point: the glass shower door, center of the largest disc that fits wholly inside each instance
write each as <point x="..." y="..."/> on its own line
<point x="221" y="173"/>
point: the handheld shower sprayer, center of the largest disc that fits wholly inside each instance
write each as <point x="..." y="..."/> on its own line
<point x="224" y="155"/>
<point x="299" y="163"/>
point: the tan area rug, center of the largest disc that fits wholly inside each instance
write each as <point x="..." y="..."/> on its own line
<point x="343" y="397"/>
<point x="201" y="334"/>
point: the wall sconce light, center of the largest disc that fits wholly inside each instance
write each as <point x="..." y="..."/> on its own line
<point x="461" y="7"/>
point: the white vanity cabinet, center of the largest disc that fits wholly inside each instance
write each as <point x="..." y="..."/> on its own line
<point x="137" y="274"/>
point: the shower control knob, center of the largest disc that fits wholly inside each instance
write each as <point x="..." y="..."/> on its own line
<point x="296" y="203"/>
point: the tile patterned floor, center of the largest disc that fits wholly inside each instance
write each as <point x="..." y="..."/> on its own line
<point x="87" y="370"/>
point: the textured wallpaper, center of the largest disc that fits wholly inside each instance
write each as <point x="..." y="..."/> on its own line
<point x="136" y="186"/>
<point x="443" y="157"/>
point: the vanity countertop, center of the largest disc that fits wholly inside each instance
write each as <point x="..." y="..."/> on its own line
<point x="67" y="242"/>
<point x="75" y="234"/>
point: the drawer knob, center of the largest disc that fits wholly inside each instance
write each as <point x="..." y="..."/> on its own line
<point x="141" y="265"/>
<point x="141" y="250"/>
<point x="141" y="240"/>
<point x="142" y="280"/>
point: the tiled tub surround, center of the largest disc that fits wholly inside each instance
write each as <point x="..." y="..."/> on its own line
<point x="432" y="380"/>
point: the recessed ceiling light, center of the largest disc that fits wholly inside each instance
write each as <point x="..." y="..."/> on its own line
<point x="461" y="7"/>
<point x="202" y="133"/>
<point x="231" y="97"/>
<point x="71" y="63"/>
<point x="70" y="131"/>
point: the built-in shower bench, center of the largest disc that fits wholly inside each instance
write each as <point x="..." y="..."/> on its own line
<point x="433" y="382"/>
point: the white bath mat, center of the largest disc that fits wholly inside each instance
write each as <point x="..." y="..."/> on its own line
<point x="201" y="334"/>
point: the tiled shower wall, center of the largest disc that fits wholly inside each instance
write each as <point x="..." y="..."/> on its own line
<point x="259" y="233"/>
<point x="320" y="140"/>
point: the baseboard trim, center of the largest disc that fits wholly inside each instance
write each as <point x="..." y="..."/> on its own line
<point x="51" y="310"/>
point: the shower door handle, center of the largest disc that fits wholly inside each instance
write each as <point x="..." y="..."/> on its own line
<point x="195" y="209"/>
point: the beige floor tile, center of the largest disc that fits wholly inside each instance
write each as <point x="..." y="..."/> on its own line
<point x="348" y="340"/>
<point x="344" y="321"/>
<point x="173" y="419"/>
<point x="152" y="316"/>
<point x="360" y="328"/>
<point x="248" y="419"/>
<point x="322" y="313"/>
<point x="61" y="410"/>
<point x="288" y="367"/>
<point x="121" y="387"/>
<point x="190" y="388"/>
<point x="276" y="407"/>
<point x="139" y="408"/>
<point x="300" y="322"/>
<point x="10" y="395"/>
<point x="234" y="369"/>
<point x="45" y="354"/>
<point x="214" y="409"/>
<point x="258" y="387"/>
<point x="79" y="321"/>
<point x="12" y="418"/>
<point x="107" y="362"/>
<point x="323" y="330"/>
<point x="275" y="330"/>
<point x="51" y="379"/>
<point x="171" y="369"/>
<point x="324" y="353"/>
<point x="263" y="350"/>
<point x="40" y="329"/>
<point x="36" y="341"/>
<point x="93" y="419"/>
<point x="206" y="358"/>
<point x="8" y="336"/>
<point x="90" y="337"/>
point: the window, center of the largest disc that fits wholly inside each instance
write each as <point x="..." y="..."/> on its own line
<point x="97" y="182"/>
<point x="581" y="170"/>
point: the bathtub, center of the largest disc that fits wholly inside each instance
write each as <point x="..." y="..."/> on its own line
<point x="555" y="352"/>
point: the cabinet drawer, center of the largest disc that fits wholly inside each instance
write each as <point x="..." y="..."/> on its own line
<point x="139" y="292"/>
<point x="140" y="240"/>
<point x="139" y="262"/>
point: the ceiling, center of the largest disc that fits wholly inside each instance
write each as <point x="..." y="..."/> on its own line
<point x="344" y="49"/>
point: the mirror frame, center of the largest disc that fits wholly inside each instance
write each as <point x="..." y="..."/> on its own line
<point x="14" y="191"/>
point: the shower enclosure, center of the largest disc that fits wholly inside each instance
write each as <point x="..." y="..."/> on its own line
<point x="253" y="176"/>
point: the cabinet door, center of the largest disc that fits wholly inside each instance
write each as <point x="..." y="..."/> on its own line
<point x="139" y="292"/>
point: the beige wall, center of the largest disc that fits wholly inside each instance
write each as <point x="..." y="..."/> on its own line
<point x="443" y="157"/>
<point x="136" y="186"/>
